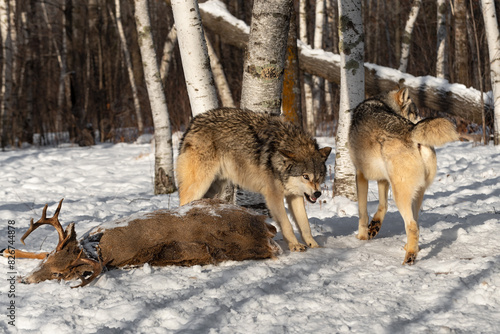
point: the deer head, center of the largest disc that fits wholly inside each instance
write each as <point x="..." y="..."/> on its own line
<point x="67" y="261"/>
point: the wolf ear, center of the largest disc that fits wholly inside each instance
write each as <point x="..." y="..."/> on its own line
<point x="288" y="154"/>
<point x="325" y="152"/>
<point x="403" y="96"/>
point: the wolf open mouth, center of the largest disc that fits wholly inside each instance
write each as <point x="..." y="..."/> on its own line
<point x="311" y="198"/>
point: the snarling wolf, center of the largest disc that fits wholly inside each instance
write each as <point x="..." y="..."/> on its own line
<point x="260" y="153"/>
<point x="387" y="146"/>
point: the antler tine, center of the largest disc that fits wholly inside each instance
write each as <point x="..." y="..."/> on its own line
<point x="54" y="221"/>
<point x="96" y="269"/>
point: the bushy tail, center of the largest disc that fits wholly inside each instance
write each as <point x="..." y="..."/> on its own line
<point x="434" y="132"/>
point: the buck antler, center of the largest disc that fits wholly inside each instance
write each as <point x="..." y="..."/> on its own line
<point x="54" y="221"/>
<point x="96" y="269"/>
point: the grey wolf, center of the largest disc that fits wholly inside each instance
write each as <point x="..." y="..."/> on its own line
<point x="386" y="146"/>
<point x="260" y="153"/>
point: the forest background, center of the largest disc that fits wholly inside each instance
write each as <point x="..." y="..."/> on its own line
<point x="68" y="77"/>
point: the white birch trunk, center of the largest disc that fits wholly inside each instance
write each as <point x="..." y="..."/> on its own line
<point x="164" y="162"/>
<point x="442" y="45"/>
<point x="493" y="37"/>
<point x="128" y="63"/>
<point x="318" y="82"/>
<point x="220" y="78"/>
<point x="352" y="91"/>
<point x="308" y="95"/>
<point x="194" y="54"/>
<point x="168" y="49"/>
<point x="265" y="60"/>
<point x="406" y="42"/>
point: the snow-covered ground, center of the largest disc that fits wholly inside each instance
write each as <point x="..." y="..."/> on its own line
<point x="347" y="286"/>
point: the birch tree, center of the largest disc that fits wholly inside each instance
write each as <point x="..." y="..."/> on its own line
<point x="307" y="78"/>
<point x="406" y="41"/>
<point x="168" y="49"/>
<point x="352" y="82"/>
<point x="219" y="77"/>
<point x="265" y="61"/>
<point x="493" y="36"/>
<point x="128" y="64"/>
<point x="319" y="26"/>
<point x="442" y="44"/>
<point x="194" y="54"/>
<point x="164" y="161"/>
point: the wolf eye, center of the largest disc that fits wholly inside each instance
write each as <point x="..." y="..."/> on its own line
<point x="305" y="176"/>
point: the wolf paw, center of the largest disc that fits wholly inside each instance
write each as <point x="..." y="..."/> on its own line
<point x="312" y="244"/>
<point x="374" y="228"/>
<point x="410" y="258"/>
<point x="297" y="247"/>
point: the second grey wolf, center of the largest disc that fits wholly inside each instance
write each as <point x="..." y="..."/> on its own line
<point x="260" y="153"/>
<point x="386" y="146"/>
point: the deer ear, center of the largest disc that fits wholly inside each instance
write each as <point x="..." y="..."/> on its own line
<point x="70" y="235"/>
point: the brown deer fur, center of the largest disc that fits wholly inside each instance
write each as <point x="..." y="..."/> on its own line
<point x="203" y="232"/>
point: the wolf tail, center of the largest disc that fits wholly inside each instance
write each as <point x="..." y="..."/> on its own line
<point x="434" y="132"/>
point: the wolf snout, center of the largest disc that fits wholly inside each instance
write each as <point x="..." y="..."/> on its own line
<point x="317" y="194"/>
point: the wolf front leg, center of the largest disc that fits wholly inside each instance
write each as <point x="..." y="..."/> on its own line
<point x="298" y="209"/>
<point x="277" y="207"/>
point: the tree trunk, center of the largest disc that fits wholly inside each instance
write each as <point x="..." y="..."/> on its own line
<point x="221" y="83"/>
<point x="427" y="92"/>
<point x="6" y="82"/>
<point x="442" y="45"/>
<point x="461" y="47"/>
<point x="195" y="62"/>
<point x="493" y="36"/>
<point x="318" y="82"/>
<point x="307" y="78"/>
<point x="265" y="61"/>
<point x="405" y="45"/>
<point x="292" y="110"/>
<point x="352" y="83"/>
<point x="128" y="63"/>
<point x="168" y="49"/>
<point x="164" y="162"/>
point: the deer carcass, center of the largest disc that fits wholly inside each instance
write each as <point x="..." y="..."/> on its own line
<point x="202" y="232"/>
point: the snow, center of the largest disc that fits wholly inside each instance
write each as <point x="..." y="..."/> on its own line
<point x="347" y="286"/>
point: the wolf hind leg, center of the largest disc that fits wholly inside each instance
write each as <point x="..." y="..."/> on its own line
<point x="298" y="210"/>
<point x="376" y="223"/>
<point x="403" y="196"/>
<point x="362" y="191"/>
<point x="194" y="175"/>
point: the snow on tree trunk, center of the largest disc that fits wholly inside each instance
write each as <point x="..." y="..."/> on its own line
<point x="220" y="78"/>
<point x="265" y="61"/>
<point x="307" y="78"/>
<point x="164" y="162"/>
<point x="406" y="42"/>
<point x="493" y="36"/>
<point x="194" y="54"/>
<point x="442" y="44"/>
<point x="352" y="91"/>
<point x="168" y="49"/>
